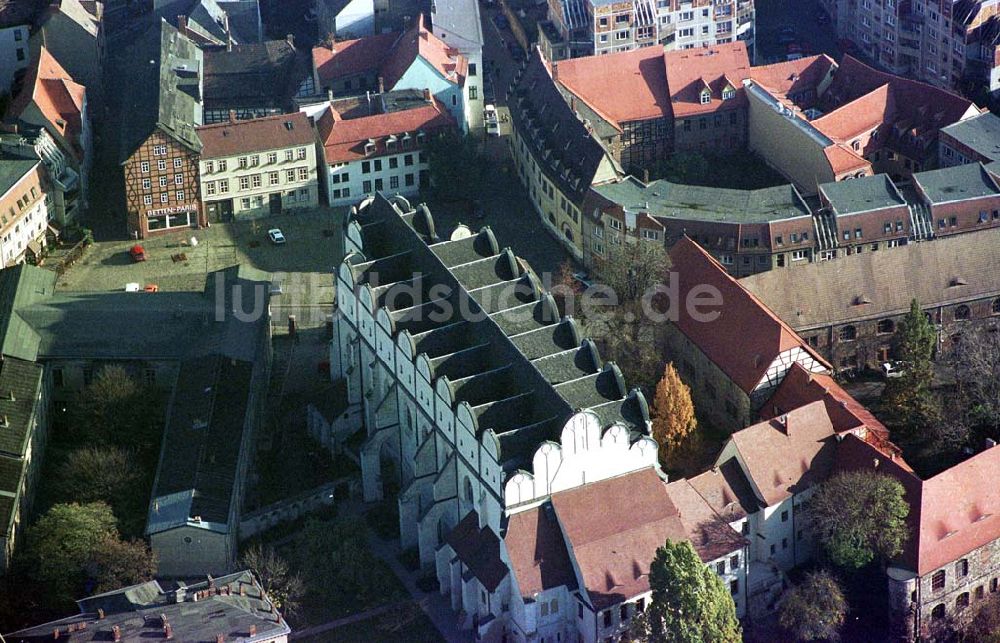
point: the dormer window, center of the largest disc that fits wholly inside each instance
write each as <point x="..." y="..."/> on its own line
<point x="390" y="143"/>
<point x="728" y="93"/>
<point x="706" y="97"/>
<point x="370" y="147"/>
<point x="421" y="137"/>
<point x="407" y="141"/>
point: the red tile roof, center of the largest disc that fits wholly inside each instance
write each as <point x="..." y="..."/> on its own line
<point x="860" y="116"/>
<point x="344" y="140"/>
<point x="614" y="528"/>
<point x="842" y="159"/>
<point x="794" y="76"/>
<point x="691" y="70"/>
<point x="479" y="550"/>
<point x="789" y="454"/>
<point x="537" y="551"/>
<point x="256" y="135"/>
<point x="389" y="55"/>
<point x="727" y="491"/>
<point x="745" y="337"/>
<point x="350" y="57"/>
<point x="58" y="97"/>
<point x="624" y="86"/>
<point x="710" y="535"/>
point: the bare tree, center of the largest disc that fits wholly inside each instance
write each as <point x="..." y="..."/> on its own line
<point x="284" y="587"/>
<point x="976" y="361"/>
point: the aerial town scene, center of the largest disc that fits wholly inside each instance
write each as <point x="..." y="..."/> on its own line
<point x="549" y="321"/>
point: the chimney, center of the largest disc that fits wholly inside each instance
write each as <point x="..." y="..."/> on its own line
<point x="645" y="175"/>
<point x="182" y="24"/>
<point x="290" y="39"/>
<point x="55" y="633"/>
<point x="572" y="104"/>
<point x="232" y="116"/>
<point x="990" y="443"/>
<point x="381" y="85"/>
<point x="116" y="633"/>
<point x="253" y="630"/>
<point x="168" y="631"/>
<point x="427" y="95"/>
<point x="243" y="589"/>
<point x="181" y="593"/>
<point x="329" y="94"/>
<point x="220" y="638"/>
<point x="555" y="72"/>
<point x="100" y="613"/>
<point x="12" y="398"/>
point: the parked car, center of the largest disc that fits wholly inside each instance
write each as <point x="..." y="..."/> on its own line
<point x="492" y="120"/>
<point x="132" y="287"/>
<point x="137" y="253"/>
<point x="276" y="236"/>
<point x="151" y="288"/>
<point x="892" y="369"/>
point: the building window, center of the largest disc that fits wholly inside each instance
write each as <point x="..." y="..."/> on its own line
<point x="224" y="186"/>
<point x="273" y="178"/>
<point x="937" y="580"/>
<point x="243" y="162"/>
<point x="210" y="188"/>
<point x="962" y="313"/>
<point x="473" y="93"/>
<point x="289" y="155"/>
<point x="734" y="586"/>
<point x="164" y="197"/>
<point x="161" y="165"/>
<point x="147" y="184"/>
<point x="163" y="181"/>
<point x="366" y="187"/>
<point x="301" y="152"/>
<point x="178" y="163"/>
<point x="784" y="516"/>
<point x="303" y="174"/>
<point x="144" y="167"/>
<point x="245" y="202"/>
<point x="472" y="69"/>
<point x="289" y="175"/>
<point x="607" y="618"/>
<point x="180" y="195"/>
<point x="255" y="160"/>
<point x="962" y="568"/>
<point x="938" y="612"/>
<point x="720" y="568"/>
<point x="255" y="180"/>
<point x="272" y="157"/>
<point x="178" y="179"/>
<point x="244" y="182"/>
<point x="147" y="199"/>
<point x="962" y="601"/>
<point x="848" y="334"/>
<point x="393" y="182"/>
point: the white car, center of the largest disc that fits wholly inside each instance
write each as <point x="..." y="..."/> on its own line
<point x="276" y="237"/>
<point x="492" y="120"/>
<point x="132" y="287"/>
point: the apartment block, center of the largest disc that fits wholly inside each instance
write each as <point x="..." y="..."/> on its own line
<point x="23" y="210"/>
<point x="258" y="167"/>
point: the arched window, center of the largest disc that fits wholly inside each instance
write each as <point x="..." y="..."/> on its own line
<point x="962" y="601"/>
<point x="938" y="611"/>
<point x="886" y="326"/>
<point x="848" y="333"/>
<point x="962" y="313"/>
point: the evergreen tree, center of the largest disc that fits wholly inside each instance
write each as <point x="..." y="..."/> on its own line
<point x="908" y="398"/>
<point x="690" y="603"/>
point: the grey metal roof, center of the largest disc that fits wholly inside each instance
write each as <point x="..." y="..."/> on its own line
<point x="20" y="287"/>
<point x="980" y="133"/>
<point x="13" y="170"/>
<point x="956" y="183"/>
<point x="203" y="444"/>
<point x="228" y="606"/>
<point x="457" y="23"/>
<point x="162" y="70"/>
<point x="680" y="201"/>
<point x="862" y="195"/>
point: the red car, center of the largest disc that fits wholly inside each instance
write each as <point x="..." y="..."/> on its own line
<point x="138" y="253"/>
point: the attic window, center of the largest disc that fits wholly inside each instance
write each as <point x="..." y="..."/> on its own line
<point x="289" y="125"/>
<point x="861" y="300"/>
<point x="727" y="93"/>
<point x="390" y="143"/>
<point x="370" y="147"/>
<point x="957" y="281"/>
<point x="706" y="97"/>
<point x="407" y="141"/>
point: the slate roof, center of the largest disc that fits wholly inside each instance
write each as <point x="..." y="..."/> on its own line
<point x="956" y="183"/>
<point x="522" y="370"/>
<point x="22" y="286"/>
<point x="206" y="17"/>
<point x="545" y="119"/>
<point x="11" y="476"/>
<point x="254" y="74"/>
<point x="202" y="445"/>
<point x="227" y="606"/>
<point x="824" y="293"/>
<point x="743" y="320"/>
<point x="22" y="381"/>
<point x="256" y="135"/>
<point x="788" y="454"/>
<point x="979" y="133"/>
<point x="726" y="490"/>
<point x="680" y="201"/>
<point x="161" y="69"/>
<point x="862" y="195"/>
<point x="19" y="12"/>
<point x="13" y="170"/>
<point x="537" y="551"/>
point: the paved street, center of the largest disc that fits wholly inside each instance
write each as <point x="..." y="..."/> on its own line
<point x="800" y="15"/>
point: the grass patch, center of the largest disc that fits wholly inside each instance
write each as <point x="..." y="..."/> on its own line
<point x="405" y="625"/>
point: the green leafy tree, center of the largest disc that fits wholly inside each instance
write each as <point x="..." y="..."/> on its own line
<point x="815" y="608"/>
<point x="102" y="473"/>
<point x="859" y="516"/>
<point x="983" y="625"/>
<point x="457" y="169"/>
<point x="690" y="604"/>
<point x="61" y="545"/>
<point x="119" y="563"/>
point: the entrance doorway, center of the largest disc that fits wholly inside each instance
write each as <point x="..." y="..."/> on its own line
<point x="275" y="203"/>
